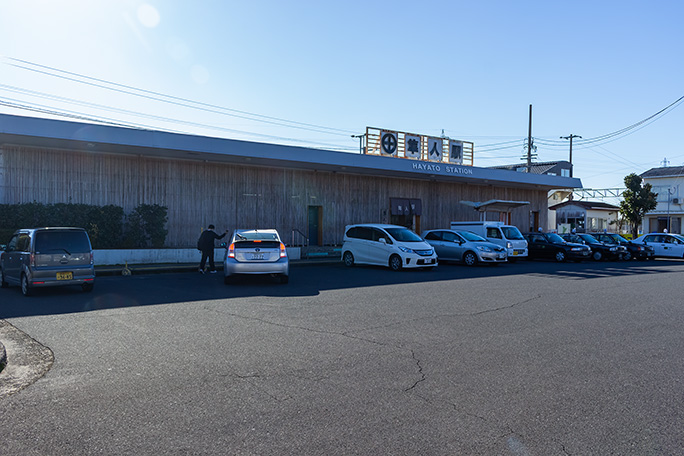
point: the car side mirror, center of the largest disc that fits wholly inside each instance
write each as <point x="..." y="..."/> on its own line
<point x="383" y="240"/>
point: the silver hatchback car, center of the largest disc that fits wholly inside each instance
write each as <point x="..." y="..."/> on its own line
<point x="256" y="252"/>
<point x="48" y="257"/>
<point x="464" y="246"/>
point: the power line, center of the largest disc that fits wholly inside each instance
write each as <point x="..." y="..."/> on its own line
<point x="170" y="99"/>
<point x="16" y="104"/>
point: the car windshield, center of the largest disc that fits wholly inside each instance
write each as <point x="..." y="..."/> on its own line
<point x="403" y="235"/>
<point x="588" y="238"/>
<point x="472" y="237"/>
<point x="512" y="233"/>
<point x="553" y="237"/>
<point x="679" y="236"/>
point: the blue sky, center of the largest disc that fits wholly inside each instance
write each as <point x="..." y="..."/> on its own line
<point x="313" y="73"/>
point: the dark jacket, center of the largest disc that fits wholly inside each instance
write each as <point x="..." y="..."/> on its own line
<point x="206" y="240"/>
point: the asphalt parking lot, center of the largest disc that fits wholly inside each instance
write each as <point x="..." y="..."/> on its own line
<point x="531" y="358"/>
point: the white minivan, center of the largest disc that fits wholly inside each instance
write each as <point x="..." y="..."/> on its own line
<point x="386" y="245"/>
<point x="507" y="236"/>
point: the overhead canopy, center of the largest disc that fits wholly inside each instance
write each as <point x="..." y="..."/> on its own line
<point x="495" y="205"/>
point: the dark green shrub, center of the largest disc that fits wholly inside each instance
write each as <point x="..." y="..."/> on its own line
<point x="145" y="226"/>
<point x="103" y="223"/>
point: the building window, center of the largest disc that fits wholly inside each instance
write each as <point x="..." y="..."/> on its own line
<point x="565" y="172"/>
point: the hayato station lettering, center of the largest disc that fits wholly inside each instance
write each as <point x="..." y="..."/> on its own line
<point x="437" y="168"/>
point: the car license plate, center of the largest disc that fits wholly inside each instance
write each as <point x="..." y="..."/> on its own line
<point x="65" y="275"/>
<point x="515" y="252"/>
<point x="257" y="256"/>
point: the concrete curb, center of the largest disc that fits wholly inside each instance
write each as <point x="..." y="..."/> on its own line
<point x="110" y="270"/>
<point x="27" y="359"/>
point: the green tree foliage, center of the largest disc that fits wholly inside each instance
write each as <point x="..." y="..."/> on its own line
<point x="638" y="199"/>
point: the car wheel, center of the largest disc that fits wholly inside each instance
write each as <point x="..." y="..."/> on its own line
<point x="395" y="262"/>
<point x="87" y="287"/>
<point x="470" y="259"/>
<point x="597" y="256"/>
<point x="627" y="256"/>
<point x="25" y="287"/>
<point x="560" y="256"/>
<point x="348" y="259"/>
<point x="284" y="278"/>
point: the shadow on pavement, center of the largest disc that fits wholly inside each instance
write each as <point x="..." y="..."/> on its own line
<point x="305" y="280"/>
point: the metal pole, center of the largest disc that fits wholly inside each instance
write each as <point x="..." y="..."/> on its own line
<point x="669" y="197"/>
<point x="529" y="143"/>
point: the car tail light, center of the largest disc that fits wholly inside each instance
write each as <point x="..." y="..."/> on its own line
<point x="33" y="260"/>
<point x="231" y="250"/>
<point x="283" y="251"/>
<point x="92" y="258"/>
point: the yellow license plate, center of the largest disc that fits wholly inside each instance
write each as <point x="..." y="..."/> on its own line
<point x="65" y="275"/>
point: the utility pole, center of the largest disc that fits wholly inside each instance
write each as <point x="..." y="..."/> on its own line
<point x="570" y="138"/>
<point x="529" y="144"/>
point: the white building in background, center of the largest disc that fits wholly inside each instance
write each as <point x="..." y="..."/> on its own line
<point x="585" y="216"/>
<point x="668" y="183"/>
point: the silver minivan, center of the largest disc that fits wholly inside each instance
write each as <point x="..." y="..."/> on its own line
<point x="48" y="257"/>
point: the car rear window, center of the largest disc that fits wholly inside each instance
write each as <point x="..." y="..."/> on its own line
<point x="62" y="241"/>
<point x="249" y="243"/>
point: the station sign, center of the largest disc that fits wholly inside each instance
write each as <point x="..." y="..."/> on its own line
<point x="389" y="143"/>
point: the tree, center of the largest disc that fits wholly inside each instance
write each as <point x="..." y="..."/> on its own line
<point x="637" y="200"/>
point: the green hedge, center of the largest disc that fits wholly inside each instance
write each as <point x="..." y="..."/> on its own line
<point x="107" y="226"/>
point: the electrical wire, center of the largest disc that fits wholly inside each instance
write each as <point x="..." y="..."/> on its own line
<point x="16" y="104"/>
<point x="215" y="109"/>
<point x="170" y="99"/>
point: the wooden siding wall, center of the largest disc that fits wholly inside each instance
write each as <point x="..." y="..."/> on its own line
<point x="199" y="193"/>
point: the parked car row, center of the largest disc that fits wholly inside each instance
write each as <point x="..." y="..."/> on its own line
<point x="397" y="247"/>
<point x="43" y="257"/>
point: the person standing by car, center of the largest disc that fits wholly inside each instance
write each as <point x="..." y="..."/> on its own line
<point x="205" y="244"/>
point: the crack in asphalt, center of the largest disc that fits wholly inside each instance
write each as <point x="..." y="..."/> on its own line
<point x="420" y="372"/>
<point x="349" y="335"/>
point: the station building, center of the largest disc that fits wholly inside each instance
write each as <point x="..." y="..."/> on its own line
<point x="309" y="195"/>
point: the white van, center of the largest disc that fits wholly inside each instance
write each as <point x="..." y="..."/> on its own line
<point x="386" y="245"/>
<point x="507" y="236"/>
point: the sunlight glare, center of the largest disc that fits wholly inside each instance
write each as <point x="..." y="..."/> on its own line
<point x="148" y="15"/>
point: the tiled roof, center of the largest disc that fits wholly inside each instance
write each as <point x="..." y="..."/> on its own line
<point x="669" y="171"/>
<point x="586" y="205"/>
<point x="536" y="168"/>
